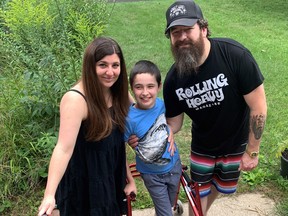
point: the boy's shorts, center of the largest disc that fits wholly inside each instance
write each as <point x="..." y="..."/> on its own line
<point x="221" y="171"/>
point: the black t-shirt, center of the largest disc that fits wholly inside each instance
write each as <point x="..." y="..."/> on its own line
<point x="213" y="98"/>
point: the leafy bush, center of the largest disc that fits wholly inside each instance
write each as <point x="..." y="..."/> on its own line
<point x="41" y="46"/>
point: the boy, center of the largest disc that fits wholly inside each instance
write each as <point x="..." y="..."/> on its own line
<point x="157" y="160"/>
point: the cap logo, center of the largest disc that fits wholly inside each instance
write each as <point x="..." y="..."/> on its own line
<point x="177" y="10"/>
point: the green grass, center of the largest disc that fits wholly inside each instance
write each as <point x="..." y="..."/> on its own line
<point x="260" y="25"/>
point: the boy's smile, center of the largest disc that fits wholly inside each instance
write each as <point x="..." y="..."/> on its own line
<point x="145" y="89"/>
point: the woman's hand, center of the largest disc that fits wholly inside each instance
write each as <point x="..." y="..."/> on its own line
<point x="47" y="206"/>
<point x="133" y="141"/>
<point x="130" y="188"/>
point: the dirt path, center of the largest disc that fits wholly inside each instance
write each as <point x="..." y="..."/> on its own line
<point x="235" y="205"/>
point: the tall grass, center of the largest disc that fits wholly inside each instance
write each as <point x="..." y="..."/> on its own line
<point x="41" y="47"/>
<point x="28" y="66"/>
<point x="261" y="26"/>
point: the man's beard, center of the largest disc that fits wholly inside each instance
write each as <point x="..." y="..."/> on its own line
<point x="187" y="59"/>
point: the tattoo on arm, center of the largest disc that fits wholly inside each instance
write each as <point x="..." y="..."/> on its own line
<point x="257" y="123"/>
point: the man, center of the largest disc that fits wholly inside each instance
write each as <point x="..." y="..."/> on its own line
<point x="218" y="84"/>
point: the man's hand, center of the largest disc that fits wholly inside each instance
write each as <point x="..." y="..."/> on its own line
<point x="248" y="163"/>
<point x="172" y="147"/>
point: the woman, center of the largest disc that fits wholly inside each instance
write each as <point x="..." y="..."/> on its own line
<point x="87" y="171"/>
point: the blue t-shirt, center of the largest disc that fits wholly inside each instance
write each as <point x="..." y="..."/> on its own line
<point x="150" y="126"/>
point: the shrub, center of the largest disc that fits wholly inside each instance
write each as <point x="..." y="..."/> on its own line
<point x="42" y="44"/>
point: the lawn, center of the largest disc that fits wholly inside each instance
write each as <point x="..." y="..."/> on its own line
<point x="261" y="26"/>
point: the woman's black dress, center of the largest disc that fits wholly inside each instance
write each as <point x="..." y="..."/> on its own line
<point x="95" y="178"/>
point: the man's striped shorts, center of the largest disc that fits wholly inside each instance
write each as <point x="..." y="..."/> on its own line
<point x="221" y="171"/>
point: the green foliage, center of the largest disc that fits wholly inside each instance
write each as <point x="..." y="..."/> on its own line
<point x="283" y="145"/>
<point x="27" y="71"/>
<point x="282" y="208"/>
<point x="41" y="48"/>
<point x="255" y="178"/>
<point x="283" y="184"/>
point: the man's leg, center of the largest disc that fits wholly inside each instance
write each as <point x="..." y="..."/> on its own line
<point x="209" y="200"/>
<point x="206" y="201"/>
<point x="202" y="171"/>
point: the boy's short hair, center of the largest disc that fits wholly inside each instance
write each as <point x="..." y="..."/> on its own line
<point x="145" y="66"/>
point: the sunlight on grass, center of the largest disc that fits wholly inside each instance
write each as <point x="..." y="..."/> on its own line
<point x="259" y="25"/>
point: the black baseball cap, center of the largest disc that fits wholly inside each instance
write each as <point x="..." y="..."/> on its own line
<point x="183" y="13"/>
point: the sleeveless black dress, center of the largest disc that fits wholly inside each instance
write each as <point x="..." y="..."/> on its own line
<point x="95" y="178"/>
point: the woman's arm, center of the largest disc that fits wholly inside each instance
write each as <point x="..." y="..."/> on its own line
<point x="131" y="99"/>
<point x="131" y="186"/>
<point x="73" y="110"/>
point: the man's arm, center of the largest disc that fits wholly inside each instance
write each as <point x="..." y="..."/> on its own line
<point x="256" y="101"/>
<point x="175" y="123"/>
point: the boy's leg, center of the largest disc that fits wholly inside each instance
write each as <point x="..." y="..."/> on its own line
<point x="158" y="190"/>
<point x="173" y="181"/>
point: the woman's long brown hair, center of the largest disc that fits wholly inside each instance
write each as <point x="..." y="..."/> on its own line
<point x="100" y="120"/>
